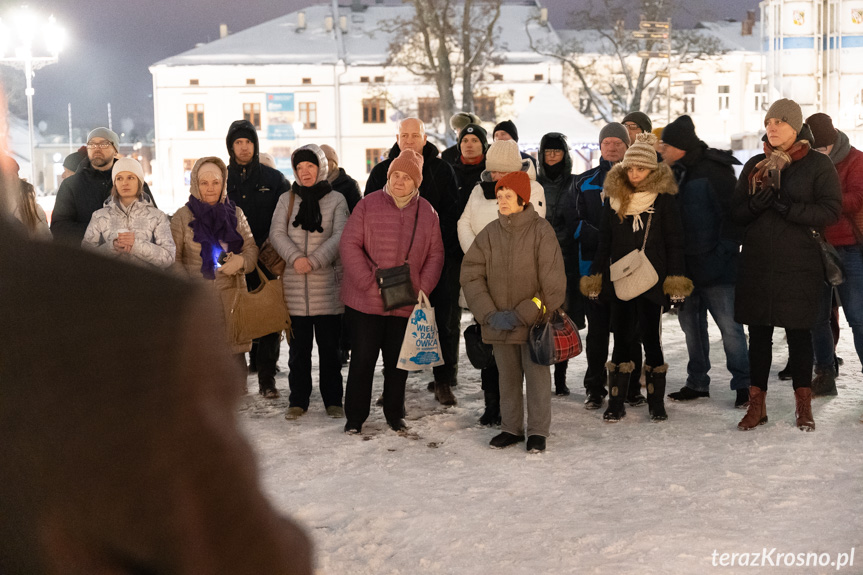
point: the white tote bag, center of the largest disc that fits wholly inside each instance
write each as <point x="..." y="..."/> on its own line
<point x="420" y="346"/>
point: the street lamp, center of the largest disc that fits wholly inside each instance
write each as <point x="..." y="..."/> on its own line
<point x="19" y="49"/>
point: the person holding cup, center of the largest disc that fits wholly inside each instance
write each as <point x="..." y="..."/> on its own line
<point x="129" y="225"/>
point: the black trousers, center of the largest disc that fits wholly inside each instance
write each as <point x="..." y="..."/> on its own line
<point x="596" y="346"/>
<point x="371" y="335"/>
<point x="634" y="318"/>
<point x="444" y="300"/>
<point x="800" y="356"/>
<point x="325" y="330"/>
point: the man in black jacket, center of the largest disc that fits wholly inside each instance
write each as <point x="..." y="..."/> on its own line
<point x="84" y="192"/>
<point x="256" y="188"/>
<point x="706" y="181"/>
<point x="440" y="188"/>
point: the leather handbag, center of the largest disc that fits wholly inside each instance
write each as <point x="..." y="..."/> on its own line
<point x="252" y="314"/>
<point x="554" y="339"/>
<point x="479" y="353"/>
<point x="834" y="270"/>
<point x="633" y="274"/>
<point x="394" y="284"/>
<point x="269" y="257"/>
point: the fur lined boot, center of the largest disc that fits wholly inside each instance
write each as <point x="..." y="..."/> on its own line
<point x="618" y="382"/>
<point x="655" y="377"/>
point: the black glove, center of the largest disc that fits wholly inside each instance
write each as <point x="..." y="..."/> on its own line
<point x="761" y="200"/>
<point x="781" y="205"/>
<point x="677" y="301"/>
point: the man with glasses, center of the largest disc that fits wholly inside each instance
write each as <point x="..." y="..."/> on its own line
<point x="636" y="123"/>
<point x="84" y="192"/>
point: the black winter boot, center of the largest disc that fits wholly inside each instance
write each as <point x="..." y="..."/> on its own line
<point x="560" y="387"/>
<point x="491" y="415"/>
<point x="633" y="395"/>
<point x="655" y="377"/>
<point x="618" y="382"/>
<point x="824" y="382"/>
<point x="594" y="389"/>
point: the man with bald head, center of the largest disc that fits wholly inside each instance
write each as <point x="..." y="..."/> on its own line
<point x="440" y="187"/>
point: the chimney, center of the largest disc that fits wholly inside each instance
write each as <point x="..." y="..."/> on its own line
<point x="358" y="6"/>
<point x="343" y="23"/>
<point x="328" y="23"/>
<point x="301" y="21"/>
<point x="223" y="30"/>
<point x="543" y="16"/>
<point x="748" y="24"/>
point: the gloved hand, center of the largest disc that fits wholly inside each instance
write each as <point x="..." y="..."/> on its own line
<point x="677" y="301"/>
<point x="503" y="320"/>
<point x="761" y="200"/>
<point x="782" y="205"/>
<point x="234" y="264"/>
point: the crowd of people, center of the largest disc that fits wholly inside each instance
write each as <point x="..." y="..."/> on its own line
<point x="661" y="222"/>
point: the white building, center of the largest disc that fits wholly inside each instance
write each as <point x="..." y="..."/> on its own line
<point x="319" y="76"/>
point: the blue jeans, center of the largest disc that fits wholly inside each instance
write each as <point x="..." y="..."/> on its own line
<point x="719" y="301"/>
<point x="851" y="296"/>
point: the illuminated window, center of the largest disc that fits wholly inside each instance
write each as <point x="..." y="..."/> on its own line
<point x="195" y="117"/>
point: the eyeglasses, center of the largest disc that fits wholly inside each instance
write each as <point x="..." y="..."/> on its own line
<point x="632" y="126"/>
<point x="554" y="152"/>
<point x="101" y="145"/>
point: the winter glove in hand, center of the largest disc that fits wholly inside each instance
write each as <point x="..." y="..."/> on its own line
<point x="503" y="320"/>
<point x="233" y="265"/>
<point x="781" y="205"/>
<point x="761" y="200"/>
<point x="677" y="302"/>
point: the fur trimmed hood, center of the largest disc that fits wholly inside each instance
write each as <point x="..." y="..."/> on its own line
<point x="661" y="181"/>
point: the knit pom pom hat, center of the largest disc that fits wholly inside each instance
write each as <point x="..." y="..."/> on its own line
<point x="503" y="156"/>
<point x="641" y="153"/>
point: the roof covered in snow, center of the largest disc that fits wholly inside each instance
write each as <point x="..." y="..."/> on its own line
<point x="284" y="41"/>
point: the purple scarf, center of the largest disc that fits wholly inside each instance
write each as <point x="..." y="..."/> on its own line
<point x="211" y="225"/>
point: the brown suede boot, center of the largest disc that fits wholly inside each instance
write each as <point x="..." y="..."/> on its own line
<point x="443" y="393"/>
<point x="803" y="409"/>
<point x="756" y="414"/>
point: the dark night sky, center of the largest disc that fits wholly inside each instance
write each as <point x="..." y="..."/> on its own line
<point x="111" y="43"/>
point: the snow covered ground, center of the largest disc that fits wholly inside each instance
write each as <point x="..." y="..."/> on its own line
<point x="629" y="498"/>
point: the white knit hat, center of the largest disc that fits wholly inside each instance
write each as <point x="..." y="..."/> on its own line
<point x="128" y="165"/>
<point x="503" y="156"/>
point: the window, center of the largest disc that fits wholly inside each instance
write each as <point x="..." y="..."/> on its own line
<point x="195" y="117"/>
<point x="250" y="81"/>
<point x="428" y="109"/>
<point x="364" y="79"/>
<point x="689" y="97"/>
<point x="193" y="81"/>
<point x="252" y="113"/>
<point x="307" y="80"/>
<point x="379" y="79"/>
<point x="373" y="157"/>
<point x="497" y="77"/>
<point x="538" y="77"/>
<point x="484" y="107"/>
<point x="374" y="110"/>
<point x="309" y="115"/>
<point x="760" y="97"/>
<point x="724" y="97"/>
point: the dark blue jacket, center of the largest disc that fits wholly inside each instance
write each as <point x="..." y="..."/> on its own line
<point x="706" y="182"/>
<point x="584" y="213"/>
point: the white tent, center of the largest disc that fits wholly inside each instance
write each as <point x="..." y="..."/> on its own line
<point x="551" y="111"/>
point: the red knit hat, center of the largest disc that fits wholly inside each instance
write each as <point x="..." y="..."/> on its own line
<point x="518" y="182"/>
<point x="410" y="163"/>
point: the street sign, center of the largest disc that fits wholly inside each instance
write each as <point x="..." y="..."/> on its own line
<point x="646" y="54"/>
<point x="647" y="24"/>
<point x="651" y="35"/>
<point x="662" y="74"/>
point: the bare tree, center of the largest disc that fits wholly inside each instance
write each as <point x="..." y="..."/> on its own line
<point x="612" y="78"/>
<point x="444" y="42"/>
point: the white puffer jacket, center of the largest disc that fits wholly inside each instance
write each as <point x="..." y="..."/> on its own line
<point x="153" y="245"/>
<point x="317" y="292"/>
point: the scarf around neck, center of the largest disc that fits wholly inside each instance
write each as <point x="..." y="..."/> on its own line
<point x="309" y="213"/>
<point x="401" y="202"/>
<point x="473" y="162"/>
<point x="639" y="203"/>
<point x="776" y="160"/>
<point x="841" y="148"/>
<point x="211" y="226"/>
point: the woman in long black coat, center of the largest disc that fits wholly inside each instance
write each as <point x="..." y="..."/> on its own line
<point x="782" y="196"/>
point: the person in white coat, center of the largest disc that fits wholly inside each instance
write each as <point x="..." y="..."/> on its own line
<point x="306" y="229"/>
<point x="129" y="225"/>
<point x="503" y="157"/>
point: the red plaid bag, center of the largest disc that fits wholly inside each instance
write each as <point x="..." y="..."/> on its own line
<point x="554" y="340"/>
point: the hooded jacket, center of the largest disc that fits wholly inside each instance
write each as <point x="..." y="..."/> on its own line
<point x="255" y="188"/>
<point x="665" y="241"/>
<point x="558" y="193"/>
<point x="346" y="186"/>
<point x="79" y="196"/>
<point x="781" y="276"/>
<point x="706" y="181"/>
<point x="513" y="259"/>
<point x="153" y="241"/>
<point x="439" y="187"/>
<point x="378" y="230"/>
<point x="849" y="166"/>
<point x="316" y="292"/>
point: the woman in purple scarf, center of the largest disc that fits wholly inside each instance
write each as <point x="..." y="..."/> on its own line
<point x="210" y="228"/>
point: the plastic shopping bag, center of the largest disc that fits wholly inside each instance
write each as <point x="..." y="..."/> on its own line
<point x="420" y="347"/>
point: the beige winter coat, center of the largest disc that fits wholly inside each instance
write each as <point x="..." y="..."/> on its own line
<point x="511" y="261"/>
<point x="188" y="261"/>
